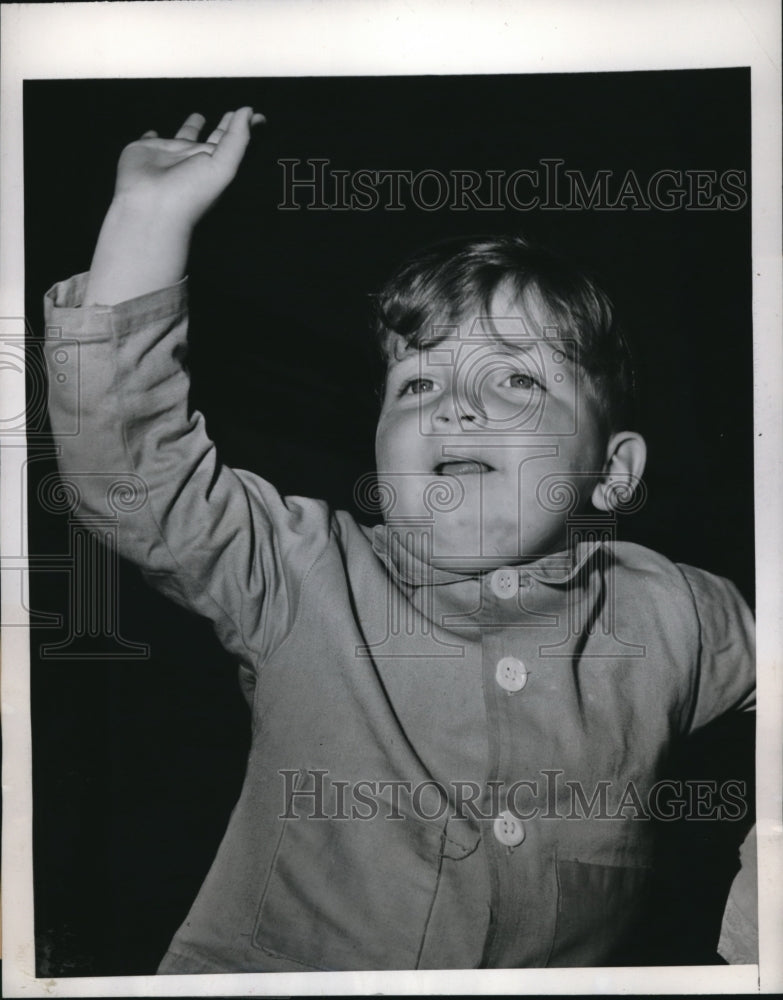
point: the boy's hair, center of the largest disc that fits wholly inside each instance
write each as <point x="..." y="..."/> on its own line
<point x="442" y="283"/>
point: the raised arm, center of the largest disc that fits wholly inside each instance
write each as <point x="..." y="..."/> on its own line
<point x="218" y="540"/>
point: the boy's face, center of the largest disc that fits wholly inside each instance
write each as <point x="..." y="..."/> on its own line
<point x="490" y="442"/>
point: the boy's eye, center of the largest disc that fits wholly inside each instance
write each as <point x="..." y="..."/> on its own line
<point x="522" y="380"/>
<point x="415" y="386"/>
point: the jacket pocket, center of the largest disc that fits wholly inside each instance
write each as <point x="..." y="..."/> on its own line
<point x="350" y="894"/>
<point x="598" y="906"/>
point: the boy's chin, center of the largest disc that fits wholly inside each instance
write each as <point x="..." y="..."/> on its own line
<point x="455" y="540"/>
<point x="462" y="554"/>
<point x="465" y="553"/>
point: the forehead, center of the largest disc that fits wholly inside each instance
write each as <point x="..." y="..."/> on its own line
<point x="511" y="324"/>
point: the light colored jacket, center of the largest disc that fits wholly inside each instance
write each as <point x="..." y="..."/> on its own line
<point x="371" y="675"/>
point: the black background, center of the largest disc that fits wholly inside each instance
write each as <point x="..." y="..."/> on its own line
<point x="137" y="763"/>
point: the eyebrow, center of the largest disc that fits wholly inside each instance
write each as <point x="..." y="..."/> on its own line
<point x="523" y="345"/>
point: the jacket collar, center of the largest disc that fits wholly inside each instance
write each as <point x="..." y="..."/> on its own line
<point x="404" y="552"/>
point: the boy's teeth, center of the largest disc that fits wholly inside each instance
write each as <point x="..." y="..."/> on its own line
<point x="461" y="468"/>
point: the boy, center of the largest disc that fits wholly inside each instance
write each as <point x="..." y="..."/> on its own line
<point x="459" y="717"/>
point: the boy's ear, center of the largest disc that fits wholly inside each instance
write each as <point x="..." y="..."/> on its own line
<point x="626" y="455"/>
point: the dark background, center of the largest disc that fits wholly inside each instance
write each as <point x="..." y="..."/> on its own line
<point x="137" y="762"/>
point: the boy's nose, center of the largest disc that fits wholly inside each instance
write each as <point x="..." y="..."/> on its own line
<point x="453" y="411"/>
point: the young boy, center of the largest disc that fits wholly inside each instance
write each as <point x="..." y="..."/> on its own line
<point x="460" y="717"/>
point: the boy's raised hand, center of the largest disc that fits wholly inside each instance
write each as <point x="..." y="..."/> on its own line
<point x="183" y="176"/>
<point x="164" y="186"/>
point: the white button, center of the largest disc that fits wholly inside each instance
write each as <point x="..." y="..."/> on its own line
<point x="511" y="674"/>
<point x="508" y="829"/>
<point x="504" y="583"/>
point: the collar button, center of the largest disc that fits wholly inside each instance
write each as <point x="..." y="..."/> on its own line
<point x="504" y="583"/>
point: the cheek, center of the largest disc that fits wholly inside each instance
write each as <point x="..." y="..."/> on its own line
<point x="585" y="456"/>
<point x="396" y="441"/>
<point x="385" y="439"/>
<point x="553" y="487"/>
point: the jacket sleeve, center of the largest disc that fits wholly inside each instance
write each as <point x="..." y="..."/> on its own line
<point x="739" y="933"/>
<point x="222" y="542"/>
<point x="726" y="673"/>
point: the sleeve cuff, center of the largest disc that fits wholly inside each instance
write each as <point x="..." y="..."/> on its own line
<point x="63" y="308"/>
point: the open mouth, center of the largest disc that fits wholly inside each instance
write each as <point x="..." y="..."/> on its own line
<point x="462" y="467"/>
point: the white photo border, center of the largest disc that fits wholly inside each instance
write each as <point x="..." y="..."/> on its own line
<point x="354" y="37"/>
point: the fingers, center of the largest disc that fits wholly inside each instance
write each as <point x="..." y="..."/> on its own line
<point x="191" y="127"/>
<point x="217" y="134"/>
<point x="227" y="142"/>
<point x="233" y="142"/>
<point x="193" y="124"/>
